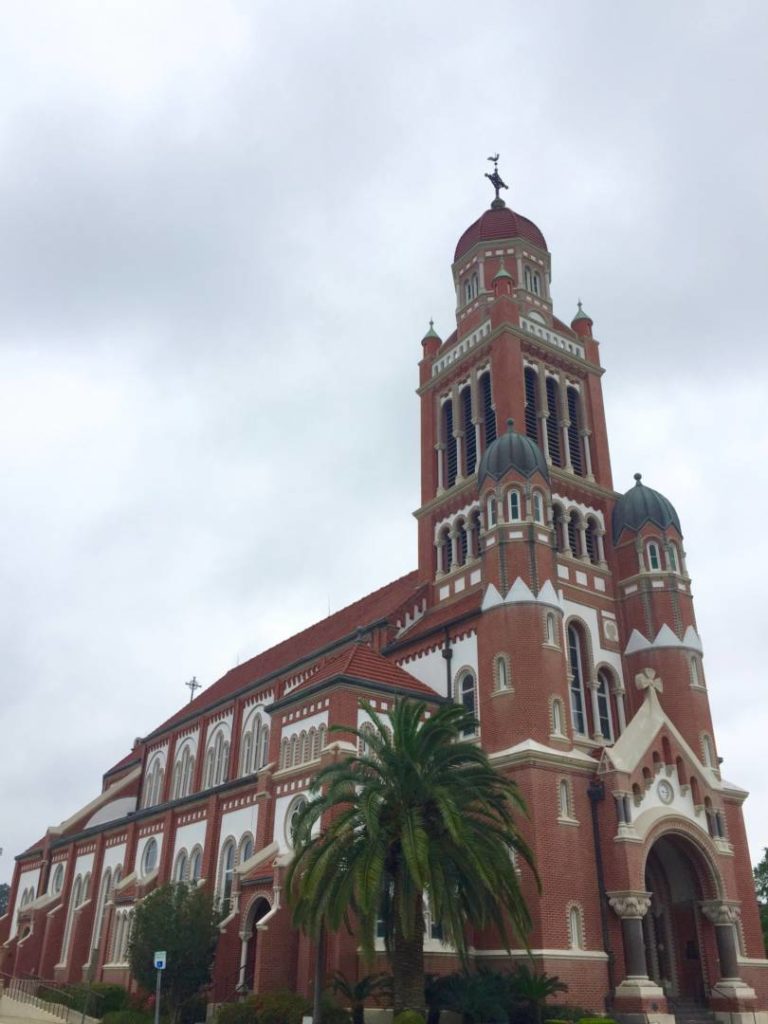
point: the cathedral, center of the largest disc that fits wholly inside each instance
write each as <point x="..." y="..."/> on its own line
<point x="554" y="607"/>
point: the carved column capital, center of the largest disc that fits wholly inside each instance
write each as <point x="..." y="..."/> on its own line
<point x="721" y="912"/>
<point x="630" y="903"/>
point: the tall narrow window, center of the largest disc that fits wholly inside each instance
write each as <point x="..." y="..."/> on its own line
<point x="573" y="534"/>
<point x="574" y="437"/>
<point x="444" y="547"/>
<point x="654" y="559"/>
<point x="591" y="541"/>
<point x="575" y="928"/>
<point x="576" y="666"/>
<point x="564" y="799"/>
<point x="550" y="633"/>
<point x="196" y="865"/>
<point x="502" y="673"/>
<point x="514" y="506"/>
<point x="462" y="542"/>
<point x="538" y="507"/>
<point x="553" y="421"/>
<point x="180" y="867"/>
<point x="227" y="873"/>
<point x="709" y="754"/>
<point x="557" y="718"/>
<point x="528" y="278"/>
<point x="474" y="531"/>
<point x="449" y="440"/>
<point x="467" y="697"/>
<point x="532" y="404"/>
<point x="673" y="561"/>
<point x="75" y="899"/>
<point x="604" y="705"/>
<point x="490" y="511"/>
<point x="489" y="413"/>
<point x="101" y="907"/>
<point x="468" y="427"/>
<point x="558" y="523"/>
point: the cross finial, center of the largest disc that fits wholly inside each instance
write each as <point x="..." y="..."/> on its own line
<point x="648" y="680"/>
<point x="495" y="180"/>
<point x="193" y="685"/>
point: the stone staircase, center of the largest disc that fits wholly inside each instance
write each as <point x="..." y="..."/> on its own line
<point x="691" y="1011"/>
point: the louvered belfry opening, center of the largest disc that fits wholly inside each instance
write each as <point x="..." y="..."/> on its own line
<point x="451" y="451"/>
<point x="468" y="427"/>
<point x="474" y="529"/>
<point x="489" y="415"/>
<point x="573" y="542"/>
<point x="591" y="540"/>
<point x="463" y="544"/>
<point x="553" y="422"/>
<point x="574" y="439"/>
<point x="532" y="404"/>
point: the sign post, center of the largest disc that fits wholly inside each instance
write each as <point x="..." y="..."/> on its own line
<point x="160" y="958"/>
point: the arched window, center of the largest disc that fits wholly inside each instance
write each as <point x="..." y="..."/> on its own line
<point x="154" y="781"/>
<point x="673" y="558"/>
<point x="467" y="290"/>
<point x="75" y="899"/>
<point x="575" y="928"/>
<point x="502" y="673"/>
<point x="449" y="442"/>
<point x="195" y="865"/>
<point x="558" y="525"/>
<point x="444" y="549"/>
<point x="149" y="857"/>
<point x="209" y="768"/>
<point x="180" y="867"/>
<point x="490" y="511"/>
<point x="553" y="421"/>
<point x="363" y="744"/>
<point x="292" y="817"/>
<point x="302" y="747"/>
<point x="513" y="504"/>
<point x="528" y="278"/>
<point x="708" y="750"/>
<point x="488" y="411"/>
<point x="284" y="752"/>
<point x="538" y="507"/>
<point x="250" y="746"/>
<point x="574" y="532"/>
<point x="462" y="542"/>
<point x="182" y="772"/>
<point x="532" y="404"/>
<point x="550" y="629"/>
<point x="58" y="880"/>
<point x="475" y="286"/>
<point x="573" y="399"/>
<point x="467" y="698"/>
<point x="246" y="848"/>
<point x="321" y="732"/>
<point x="474" y="532"/>
<point x="591" y="541"/>
<point x="294" y="755"/>
<point x="468" y="428"/>
<point x="226" y="875"/>
<point x="604" y="705"/>
<point x="576" y="666"/>
<point x="558" y="723"/>
<point x="263" y="752"/>
<point x="101" y="907"/>
<point x="697" y="672"/>
<point x="564" y="799"/>
<point x="654" y="558"/>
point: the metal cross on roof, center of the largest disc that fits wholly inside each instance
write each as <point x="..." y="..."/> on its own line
<point x="193" y="685"/>
<point x="495" y="178"/>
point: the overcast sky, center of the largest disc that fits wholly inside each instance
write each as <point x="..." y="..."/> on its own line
<point x="223" y="230"/>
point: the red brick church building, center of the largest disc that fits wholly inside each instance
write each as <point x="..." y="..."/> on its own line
<point x="555" y="607"/>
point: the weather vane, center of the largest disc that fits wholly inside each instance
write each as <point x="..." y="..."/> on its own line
<point x="193" y="685"/>
<point x="495" y="179"/>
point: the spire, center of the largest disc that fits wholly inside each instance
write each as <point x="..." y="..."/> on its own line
<point x="581" y="315"/>
<point x="496" y="181"/>
<point x="582" y="322"/>
<point x="502" y="272"/>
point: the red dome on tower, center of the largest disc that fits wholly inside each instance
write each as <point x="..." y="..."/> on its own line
<point x="499" y="222"/>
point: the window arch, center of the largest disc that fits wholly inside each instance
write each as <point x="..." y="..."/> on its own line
<point x="502" y="675"/>
<point x="226" y="873"/>
<point x="252" y="743"/>
<point x="553" y="421"/>
<point x="449" y="443"/>
<point x="558" y="718"/>
<point x="284" y="752"/>
<point x="513" y="505"/>
<point x="573" y="525"/>
<point x="653" y="555"/>
<point x="57" y="881"/>
<point x="295" y="808"/>
<point x="697" y="672"/>
<point x="573" y="401"/>
<point x="153" y="784"/>
<point x="183" y="771"/>
<point x="673" y="557"/>
<point x="590" y="538"/>
<point x="490" y="511"/>
<point x="559" y="527"/>
<point x="468" y="429"/>
<point x="75" y="899"/>
<point x="246" y="848"/>
<point x="195" y="864"/>
<point x="363" y="741"/>
<point x="105" y="891"/>
<point x="217" y="758"/>
<point x="149" y="856"/>
<point x="180" y="866"/>
<point x="576" y="665"/>
<point x="564" y="807"/>
<point x="538" y="508"/>
<point x="604" y="688"/>
<point x="575" y="926"/>
<point x="531" y="379"/>
<point x="474" y="532"/>
<point x="487" y="409"/>
<point x="550" y="629"/>
<point x="467" y="694"/>
<point x="322" y="730"/>
<point x="444" y="550"/>
<point x="462" y="542"/>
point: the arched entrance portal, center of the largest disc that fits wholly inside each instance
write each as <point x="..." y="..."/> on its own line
<point x="678" y="880"/>
<point x="258" y="910"/>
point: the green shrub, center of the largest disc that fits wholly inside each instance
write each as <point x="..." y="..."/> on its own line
<point x="596" y="1020"/>
<point x="127" y="1017"/>
<point x="409" y="1017"/>
<point x="564" y="1012"/>
<point x="282" y="1007"/>
<point x="332" y="1013"/>
<point x="237" y="1013"/>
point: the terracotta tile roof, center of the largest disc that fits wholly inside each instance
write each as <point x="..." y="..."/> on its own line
<point x="362" y="663"/>
<point x="132" y="758"/>
<point x="442" y="615"/>
<point x="372" y="608"/>
<point x="497" y="224"/>
<point x="560" y="326"/>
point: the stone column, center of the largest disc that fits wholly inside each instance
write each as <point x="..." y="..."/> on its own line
<point x="593" y="685"/>
<point x="244" y="937"/>
<point x="724" y="915"/>
<point x="632" y="906"/>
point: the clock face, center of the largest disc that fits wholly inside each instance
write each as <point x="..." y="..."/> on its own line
<point x="665" y="791"/>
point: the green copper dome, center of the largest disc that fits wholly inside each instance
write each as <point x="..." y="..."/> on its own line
<point x="641" y="505"/>
<point x="512" y="451"/>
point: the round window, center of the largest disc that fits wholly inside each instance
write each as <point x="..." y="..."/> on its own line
<point x="666" y="792"/>
<point x="149" y="860"/>
<point x="292" y="816"/>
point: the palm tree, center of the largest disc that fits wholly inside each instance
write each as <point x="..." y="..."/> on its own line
<point x="533" y="988"/>
<point x="420" y="814"/>
<point x="358" y="992"/>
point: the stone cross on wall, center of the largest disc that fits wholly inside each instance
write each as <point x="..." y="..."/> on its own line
<point x="648" y="680"/>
